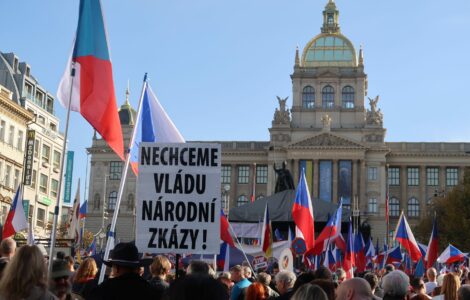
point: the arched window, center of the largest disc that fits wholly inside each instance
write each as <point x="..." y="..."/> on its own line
<point x="130" y="202"/>
<point x="96" y="201"/>
<point x="112" y="200"/>
<point x="328" y="97"/>
<point x="413" y="207"/>
<point x="242" y="200"/>
<point x="308" y="97"/>
<point x="373" y="208"/>
<point x="394" y="206"/>
<point x="348" y="97"/>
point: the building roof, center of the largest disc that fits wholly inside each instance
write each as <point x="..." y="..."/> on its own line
<point x="127" y="114"/>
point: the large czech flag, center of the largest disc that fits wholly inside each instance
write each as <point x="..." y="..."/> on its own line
<point x="16" y="219"/>
<point x="331" y="231"/>
<point x="302" y="213"/>
<point x="433" y="246"/>
<point x="88" y="78"/>
<point x="406" y="238"/>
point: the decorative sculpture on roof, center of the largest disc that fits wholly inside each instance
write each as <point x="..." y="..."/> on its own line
<point x="284" y="179"/>
<point x="374" y="116"/>
<point x="326" y="121"/>
<point x="282" y="115"/>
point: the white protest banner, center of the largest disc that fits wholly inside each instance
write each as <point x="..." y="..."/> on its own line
<point x="178" y="198"/>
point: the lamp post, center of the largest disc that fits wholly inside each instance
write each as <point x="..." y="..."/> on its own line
<point x="226" y="198"/>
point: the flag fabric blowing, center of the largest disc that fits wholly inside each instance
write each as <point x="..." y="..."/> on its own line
<point x="16" y="219"/>
<point x="302" y="213"/>
<point x="406" y="238"/>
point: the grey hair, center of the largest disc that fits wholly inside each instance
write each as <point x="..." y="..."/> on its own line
<point x="396" y="283"/>
<point x="287" y="277"/>
<point x="309" y="291"/>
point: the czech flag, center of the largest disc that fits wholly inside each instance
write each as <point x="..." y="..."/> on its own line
<point x="329" y="261"/>
<point x="302" y="213"/>
<point x="359" y="250"/>
<point x="88" y="78"/>
<point x="451" y="255"/>
<point x="406" y="238"/>
<point x="224" y="230"/>
<point x="349" y="257"/>
<point x="330" y="232"/>
<point x="153" y="125"/>
<point x="16" y="219"/>
<point x="393" y="255"/>
<point x="433" y="246"/>
<point x="83" y="209"/>
<point x="92" y="248"/>
<point x="267" y="238"/>
<point x="223" y="257"/>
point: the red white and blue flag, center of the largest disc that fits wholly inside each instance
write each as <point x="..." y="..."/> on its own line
<point x="329" y="261"/>
<point x="406" y="238"/>
<point x="91" y="91"/>
<point x="302" y="213"/>
<point x="153" y="125"/>
<point x="331" y="231"/>
<point x="83" y="209"/>
<point x="359" y="251"/>
<point x="349" y="261"/>
<point x="267" y="234"/>
<point x="223" y="258"/>
<point x="451" y="255"/>
<point x="224" y="230"/>
<point x="393" y="256"/>
<point x="16" y="219"/>
<point x="433" y="246"/>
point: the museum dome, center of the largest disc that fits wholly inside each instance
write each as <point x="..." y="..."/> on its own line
<point x="127" y="114"/>
<point x="330" y="47"/>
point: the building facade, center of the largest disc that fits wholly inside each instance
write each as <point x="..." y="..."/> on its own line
<point x="334" y="132"/>
<point x="40" y="196"/>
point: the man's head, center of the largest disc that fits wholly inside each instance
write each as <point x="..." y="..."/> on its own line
<point x="464" y="292"/>
<point x="354" y="289"/>
<point x="372" y="279"/>
<point x="236" y="273"/>
<point x="247" y="271"/>
<point x="200" y="267"/>
<point x="341" y="275"/>
<point x="323" y="273"/>
<point x="125" y="259"/>
<point x="264" y="278"/>
<point x="395" y="284"/>
<point x="8" y="248"/>
<point x="59" y="283"/>
<point x="160" y="266"/>
<point x="285" y="281"/>
<point x="431" y="273"/>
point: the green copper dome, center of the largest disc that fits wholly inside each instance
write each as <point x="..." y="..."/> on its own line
<point x="329" y="50"/>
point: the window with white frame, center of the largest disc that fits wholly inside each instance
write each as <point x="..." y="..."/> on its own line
<point x="261" y="174"/>
<point x="432" y="176"/>
<point x="394" y="176"/>
<point x="46" y="153"/>
<point x="40" y="215"/>
<point x="328" y="97"/>
<point x="452" y="176"/>
<point x="394" y="207"/>
<point x="17" y="179"/>
<point x="115" y="170"/>
<point x="413" y="176"/>
<point x="243" y="174"/>
<point x="8" y="176"/>
<point x="372" y="173"/>
<point x="373" y="206"/>
<point x="56" y="159"/>
<point x="112" y="200"/>
<point x="226" y="174"/>
<point x="413" y="207"/>
<point x="54" y="188"/>
<point x="11" y="135"/>
<point x="43" y="180"/>
<point x="3" y="126"/>
<point x="28" y="91"/>
<point x="20" y="142"/>
<point x="308" y="97"/>
<point x="348" y="97"/>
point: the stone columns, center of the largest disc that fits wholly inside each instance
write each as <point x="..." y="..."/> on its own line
<point x="362" y="189"/>
<point x="316" y="178"/>
<point x="295" y="171"/>
<point x="355" y="178"/>
<point x="335" y="181"/>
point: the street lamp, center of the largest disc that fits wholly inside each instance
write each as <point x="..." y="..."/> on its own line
<point x="226" y="198"/>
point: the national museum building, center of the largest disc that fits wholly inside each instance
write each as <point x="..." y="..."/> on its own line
<point x="329" y="133"/>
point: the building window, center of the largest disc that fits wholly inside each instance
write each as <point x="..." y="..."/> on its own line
<point x="29" y="91"/>
<point x="40" y="99"/>
<point x="413" y="208"/>
<point x="242" y="200"/>
<point x="226" y="174"/>
<point x="96" y="201"/>
<point x="432" y="176"/>
<point x="2" y="130"/>
<point x="308" y="97"/>
<point x="243" y="174"/>
<point x="11" y="135"/>
<point x="53" y="126"/>
<point x="452" y="176"/>
<point x="50" y="105"/>
<point x="40" y="215"/>
<point x="54" y="187"/>
<point x="112" y="200"/>
<point x="330" y="20"/>
<point x="413" y="176"/>
<point x="43" y="183"/>
<point x="41" y="120"/>
<point x="328" y="97"/>
<point x="115" y="170"/>
<point x="130" y="202"/>
<point x="17" y="179"/>
<point x="262" y="174"/>
<point x="19" y="143"/>
<point x="394" y="176"/>
<point x="394" y="207"/>
<point x="348" y="97"/>
<point x="33" y="179"/>
<point x="50" y="219"/>
<point x="372" y="207"/>
<point x="46" y="153"/>
<point x="8" y="176"/>
<point x="56" y="159"/>
<point x="36" y="148"/>
<point x="372" y="173"/>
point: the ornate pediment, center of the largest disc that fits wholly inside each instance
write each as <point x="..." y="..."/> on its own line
<point x="326" y="140"/>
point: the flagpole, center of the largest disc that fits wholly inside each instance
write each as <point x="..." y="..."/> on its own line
<point x="241" y="248"/>
<point x="64" y="148"/>
<point x="111" y="234"/>
<point x="387" y="208"/>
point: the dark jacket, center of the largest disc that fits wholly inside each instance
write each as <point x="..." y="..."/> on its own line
<point x="127" y="286"/>
<point x="84" y="289"/>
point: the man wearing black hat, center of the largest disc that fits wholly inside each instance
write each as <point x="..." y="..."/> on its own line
<point x="126" y="282"/>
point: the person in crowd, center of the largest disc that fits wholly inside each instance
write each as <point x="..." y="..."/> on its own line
<point x="417" y="284"/>
<point x="224" y="278"/>
<point x="437" y="289"/>
<point x="328" y="286"/>
<point x="248" y="273"/>
<point x="196" y="287"/>
<point x="199" y="267"/>
<point x="340" y="275"/>
<point x="126" y="282"/>
<point x="60" y="255"/>
<point x="323" y="273"/>
<point x="450" y="286"/>
<point x="7" y="248"/>
<point x="354" y="289"/>
<point x="159" y="269"/>
<point x="25" y="276"/>
<point x="285" y="281"/>
<point x="309" y="292"/>
<point x="265" y="279"/>
<point x="71" y="263"/>
<point x="59" y="281"/>
<point x="431" y="274"/>
<point x="85" y="278"/>
<point x="373" y="281"/>
<point x="464" y="292"/>
<point x="395" y="285"/>
<point x="241" y="283"/>
<point x="256" y="291"/>
<point x="302" y="279"/>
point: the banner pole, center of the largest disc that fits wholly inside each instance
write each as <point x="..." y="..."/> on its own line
<point x="111" y="234"/>
<point x="241" y="248"/>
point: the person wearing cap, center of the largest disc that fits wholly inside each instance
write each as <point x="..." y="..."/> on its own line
<point x="126" y="282"/>
<point x="59" y="283"/>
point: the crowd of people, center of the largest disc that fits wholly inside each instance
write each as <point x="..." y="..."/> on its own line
<point x="24" y="275"/>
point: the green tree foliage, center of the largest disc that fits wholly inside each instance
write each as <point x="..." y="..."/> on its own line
<point x="453" y="218"/>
